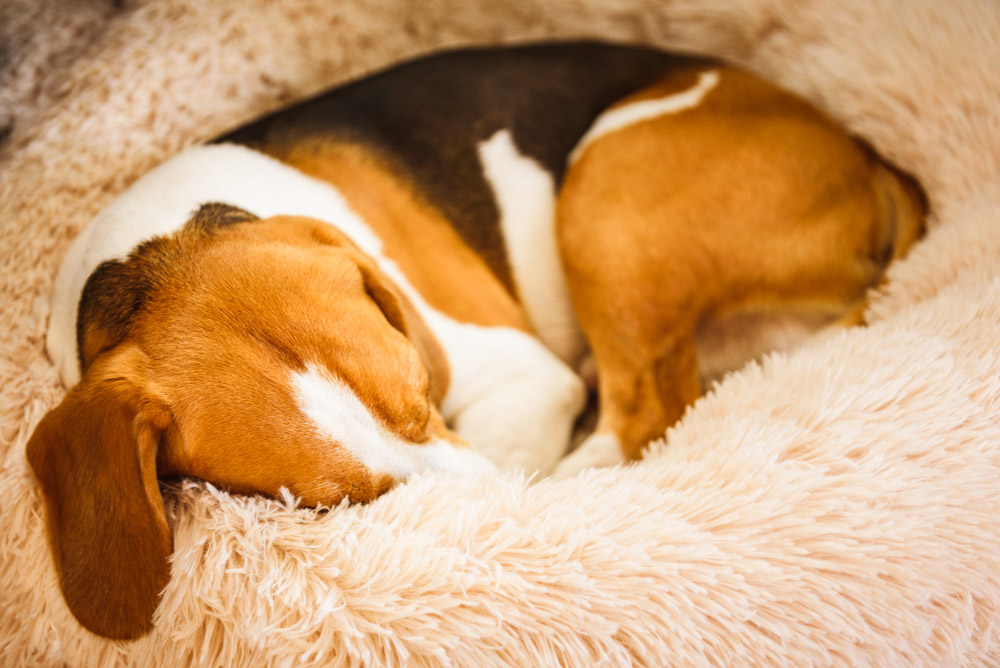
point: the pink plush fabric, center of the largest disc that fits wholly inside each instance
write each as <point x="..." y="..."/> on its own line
<point x="834" y="507"/>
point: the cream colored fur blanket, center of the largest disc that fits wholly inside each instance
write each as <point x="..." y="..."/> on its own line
<point x="835" y="507"/>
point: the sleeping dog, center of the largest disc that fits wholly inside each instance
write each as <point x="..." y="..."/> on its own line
<point x="363" y="286"/>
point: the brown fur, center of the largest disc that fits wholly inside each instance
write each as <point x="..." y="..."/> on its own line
<point x="117" y="290"/>
<point x="442" y="268"/>
<point x="751" y="203"/>
<point x="106" y="524"/>
<point x="751" y="206"/>
<point x="194" y="381"/>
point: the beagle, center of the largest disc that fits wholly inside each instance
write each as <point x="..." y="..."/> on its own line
<point x="358" y="288"/>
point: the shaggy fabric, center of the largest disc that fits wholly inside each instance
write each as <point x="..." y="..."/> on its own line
<point x="834" y="507"/>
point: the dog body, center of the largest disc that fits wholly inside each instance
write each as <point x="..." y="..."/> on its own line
<point x="352" y="290"/>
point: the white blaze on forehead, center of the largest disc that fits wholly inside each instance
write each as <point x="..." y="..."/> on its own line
<point x="525" y="195"/>
<point x="339" y="415"/>
<point x="630" y="114"/>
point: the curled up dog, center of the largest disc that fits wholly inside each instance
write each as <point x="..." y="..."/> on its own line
<point x="405" y="274"/>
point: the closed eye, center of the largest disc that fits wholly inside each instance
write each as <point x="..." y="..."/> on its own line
<point x="289" y="357"/>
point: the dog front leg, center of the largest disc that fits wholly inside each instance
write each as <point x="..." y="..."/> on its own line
<point x="643" y="390"/>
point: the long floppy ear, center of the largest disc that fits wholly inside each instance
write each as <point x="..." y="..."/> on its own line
<point x="94" y="456"/>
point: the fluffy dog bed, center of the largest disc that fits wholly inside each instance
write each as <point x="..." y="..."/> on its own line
<point x="835" y="507"/>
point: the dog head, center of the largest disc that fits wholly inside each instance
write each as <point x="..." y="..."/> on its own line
<point x="256" y="354"/>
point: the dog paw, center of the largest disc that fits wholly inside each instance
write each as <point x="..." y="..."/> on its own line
<point x="598" y="450"/>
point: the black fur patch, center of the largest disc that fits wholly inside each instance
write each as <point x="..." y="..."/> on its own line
<point x="215" y="215"/>
<point x="118" y="289"/>
<point x="112" y="296"/>
<point x="428" y="116"/>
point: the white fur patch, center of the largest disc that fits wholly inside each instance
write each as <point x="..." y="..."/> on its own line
<point x="164" y="199"/>
<point x="630" y="114"/>
<point x="600" y="449"/>
<point x="338" y="414"/>
<point x="528" y="429"/>
<point x="525" y="197"/>
<point x="514" y="400"/>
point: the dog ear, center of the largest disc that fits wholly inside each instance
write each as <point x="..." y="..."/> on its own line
<point x="384" y="293"/>
<point x="94" y="456"/>
<point x="395" y="306"/>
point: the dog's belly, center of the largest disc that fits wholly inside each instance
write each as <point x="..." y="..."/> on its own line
<point x="728" y="341"/>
